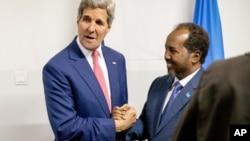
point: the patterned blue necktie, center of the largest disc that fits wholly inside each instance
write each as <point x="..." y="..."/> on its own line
<point x="177" y="88"/>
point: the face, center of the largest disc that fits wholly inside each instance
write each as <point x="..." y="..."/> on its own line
<point x="178" y="59"/>
<point x="93" y="27"/>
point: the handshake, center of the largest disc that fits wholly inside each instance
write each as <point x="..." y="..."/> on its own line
<point x="124" y="117"/>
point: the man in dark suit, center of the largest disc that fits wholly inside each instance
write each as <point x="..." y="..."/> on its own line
<point x="77" y="107"/>
<point x="222" y="99"/>
<point x="185" y="50"/>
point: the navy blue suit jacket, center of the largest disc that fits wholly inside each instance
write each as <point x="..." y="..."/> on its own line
<point x="76" y="105"/>
<point x="147" y="126"/>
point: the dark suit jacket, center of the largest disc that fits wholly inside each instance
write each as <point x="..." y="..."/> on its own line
<point x="76" y="106"/>
<point x="147" y="124"/>
<point x="222" y="98"/>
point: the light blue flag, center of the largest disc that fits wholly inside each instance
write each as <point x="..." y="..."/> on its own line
<point x="206" y="14"/>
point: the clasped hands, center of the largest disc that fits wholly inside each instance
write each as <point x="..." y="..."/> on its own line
<point x="124" y="117"/>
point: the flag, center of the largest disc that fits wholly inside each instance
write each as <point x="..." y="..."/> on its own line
<point x="206" y="14"/>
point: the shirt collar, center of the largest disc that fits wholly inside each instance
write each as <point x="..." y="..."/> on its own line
<point x="87" y="52"/>
<point x="185" y="80"/>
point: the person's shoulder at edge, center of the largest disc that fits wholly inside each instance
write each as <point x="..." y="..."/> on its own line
<point x="227" y="62"/>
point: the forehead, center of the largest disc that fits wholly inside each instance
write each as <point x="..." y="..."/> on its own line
<point x="95" y="12"/>
<point x="179" y="35"/>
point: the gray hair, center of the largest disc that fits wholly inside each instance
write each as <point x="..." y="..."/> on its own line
<point x="109" y="5"/>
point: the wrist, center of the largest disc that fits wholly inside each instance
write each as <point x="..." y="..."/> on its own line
<point x="118" y="126"/>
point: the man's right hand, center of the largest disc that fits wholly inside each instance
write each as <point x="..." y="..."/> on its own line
<point x="124" y="117"/>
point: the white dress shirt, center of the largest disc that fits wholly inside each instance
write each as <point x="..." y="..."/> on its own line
<point x="101" y="61"/>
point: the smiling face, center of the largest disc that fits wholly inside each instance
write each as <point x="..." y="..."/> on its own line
<point x="180" y="62"/>
<point x="93" y="27"/>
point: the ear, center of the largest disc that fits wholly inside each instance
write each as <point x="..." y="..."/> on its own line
<point x="109" y="26"/>
<point x="78" y="19"/>
<point x="196" y="56"/>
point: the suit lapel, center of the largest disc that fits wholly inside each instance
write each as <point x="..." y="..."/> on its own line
<point x="182" y="99"/>
<point x="161" y="99"/>
<point x="113" y="79"/>
<point x="86" y="73"/>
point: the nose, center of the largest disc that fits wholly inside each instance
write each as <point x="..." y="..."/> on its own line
<point x="167" y="55"/>
<point x="91" y="27"/>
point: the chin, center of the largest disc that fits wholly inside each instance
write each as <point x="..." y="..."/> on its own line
<point x="90" y="46"/>
<point x="171" y="72"/>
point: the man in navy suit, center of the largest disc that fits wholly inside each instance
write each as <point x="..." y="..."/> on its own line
<point x="76" y="105"/>
<point x="185" y="50"/>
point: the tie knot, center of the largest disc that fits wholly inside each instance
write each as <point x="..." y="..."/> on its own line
<point x="95" y="53"/>
<point x="177" y="86"/>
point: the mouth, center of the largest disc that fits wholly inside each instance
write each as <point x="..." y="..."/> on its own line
<point x="169" y="64"/>
<point x="89" y="38"/>
<point x="170" y="68"/>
